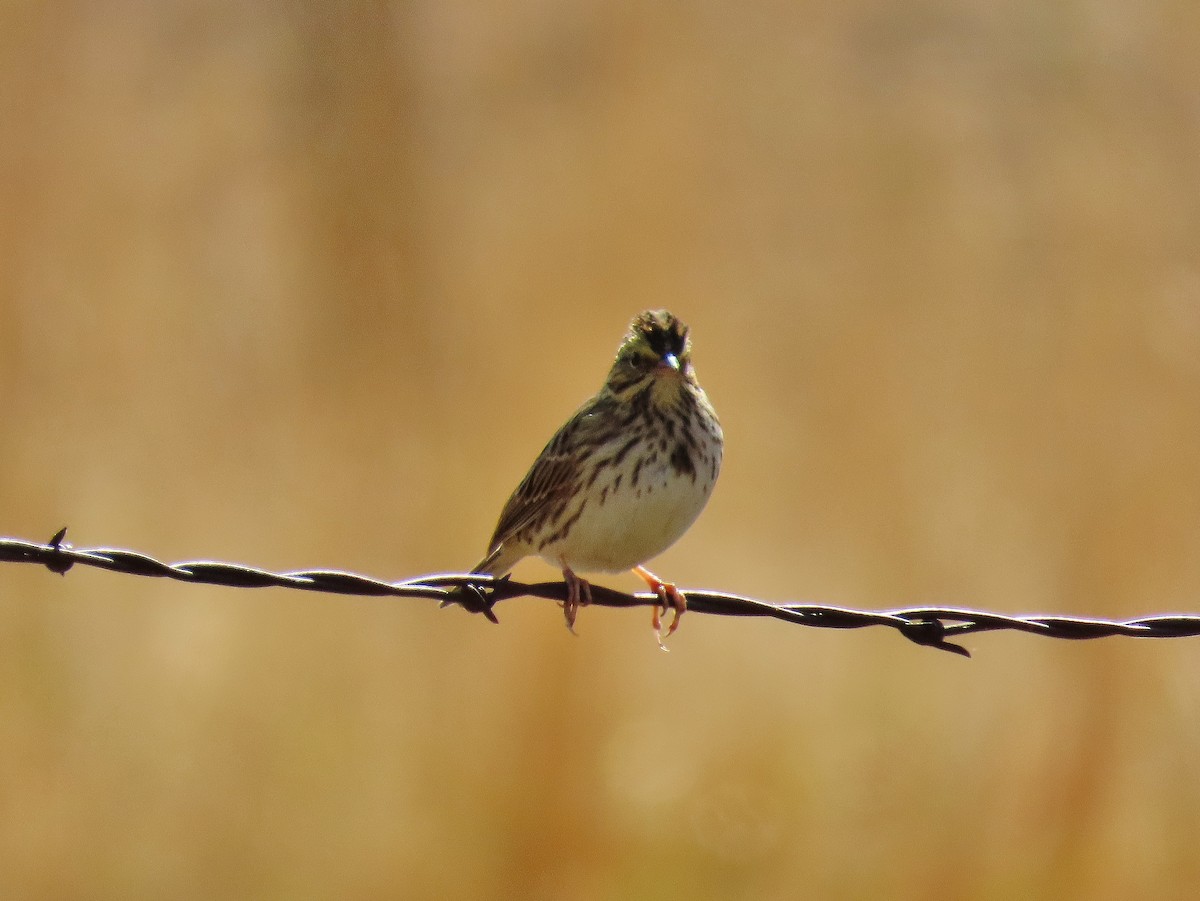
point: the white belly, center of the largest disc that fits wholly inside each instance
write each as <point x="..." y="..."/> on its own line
<point x="629" y="524"/>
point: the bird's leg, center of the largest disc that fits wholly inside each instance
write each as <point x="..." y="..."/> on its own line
<point x="669" y="596"/>
<point x="579" y="592"/>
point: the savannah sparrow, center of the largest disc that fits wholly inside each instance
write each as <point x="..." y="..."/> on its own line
<point x="625" y="477"/>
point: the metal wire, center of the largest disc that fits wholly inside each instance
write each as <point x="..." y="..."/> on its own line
<point x="928" y="626"/>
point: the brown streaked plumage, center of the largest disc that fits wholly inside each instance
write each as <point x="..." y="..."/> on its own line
<point x="625" y="476"/>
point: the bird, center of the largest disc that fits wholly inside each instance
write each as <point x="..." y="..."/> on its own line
<point x="624" y="477"/>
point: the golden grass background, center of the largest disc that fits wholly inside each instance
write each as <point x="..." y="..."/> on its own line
<point x="302" y="285"/>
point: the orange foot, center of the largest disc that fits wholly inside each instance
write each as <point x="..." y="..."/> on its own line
<point x="670" y="597"/>
<point x="579" y="593"/>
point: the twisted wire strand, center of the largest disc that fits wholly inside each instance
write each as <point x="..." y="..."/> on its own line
<point x="927" y="626"/>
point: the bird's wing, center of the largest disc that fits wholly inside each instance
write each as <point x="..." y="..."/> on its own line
<point x="552" y="480"/>
<point x="547" y="487"/>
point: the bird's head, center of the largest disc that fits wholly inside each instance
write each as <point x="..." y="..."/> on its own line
<point x="656" y="353"/>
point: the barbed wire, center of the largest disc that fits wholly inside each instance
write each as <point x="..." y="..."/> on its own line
<point x="927" y="626"/>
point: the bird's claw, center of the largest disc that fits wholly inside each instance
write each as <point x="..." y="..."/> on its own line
<point x="579" y="594"/>
<point x="669" y="597"/>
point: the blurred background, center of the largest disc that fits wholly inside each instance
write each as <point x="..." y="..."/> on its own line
<point x="309" y="285"/>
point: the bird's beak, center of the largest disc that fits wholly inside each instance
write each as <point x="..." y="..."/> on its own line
<point x="670" y="360"/>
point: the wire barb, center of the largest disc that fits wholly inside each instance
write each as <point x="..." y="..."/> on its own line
<point x="930" y="627"/>
<point x="59" y="563"/>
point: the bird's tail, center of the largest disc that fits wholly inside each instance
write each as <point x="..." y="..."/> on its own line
<point x="498" y="562"/>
